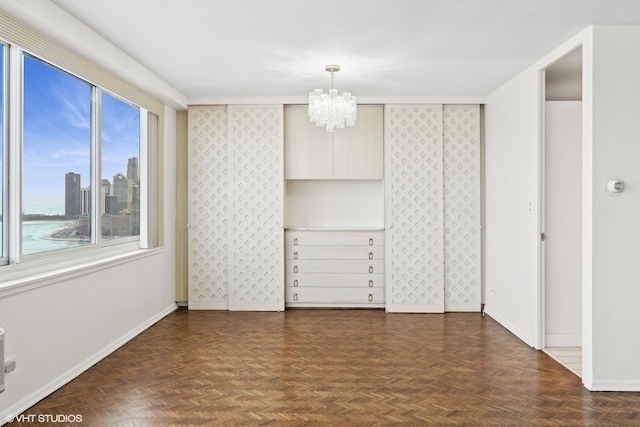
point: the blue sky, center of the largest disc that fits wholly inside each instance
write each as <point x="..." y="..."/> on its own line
<point x="56" y="135"/>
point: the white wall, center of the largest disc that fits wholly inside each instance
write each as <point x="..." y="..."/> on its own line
<point x="59" y="330"/>
<point x="610" y="226"/>
<point x="563" y="224"/>
<point x="61" y="326"/>
<point x="615" y="299"/>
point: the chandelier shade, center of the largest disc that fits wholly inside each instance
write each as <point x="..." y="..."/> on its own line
<point x="330" y="109"/>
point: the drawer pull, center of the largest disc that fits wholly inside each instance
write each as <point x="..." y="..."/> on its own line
<point x="370" y="242"/>
<point x="295" y="282"/>
<point x="295" y="255"/>
<point x="295" y="297"/>
<point x="295" y="241"/>
<point x="295" y="268"/>
<point x="370" y="283"/>
<point x="370" y="269"/>
<point x="370" y="297"/>
<point x="370" y="255"/>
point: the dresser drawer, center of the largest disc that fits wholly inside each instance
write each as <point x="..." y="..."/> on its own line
<point x="334" y="238"/>
<point x="334" y="252"/>
<point x="334" y="295"/>
<point x="335" y="280"/>
<point x="293" y="266"/>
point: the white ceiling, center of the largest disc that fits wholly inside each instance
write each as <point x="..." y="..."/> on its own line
<point x="387" y="48"/>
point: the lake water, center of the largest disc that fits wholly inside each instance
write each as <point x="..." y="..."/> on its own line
<point x="35" y="234"/>
<point x="35" y="237"/>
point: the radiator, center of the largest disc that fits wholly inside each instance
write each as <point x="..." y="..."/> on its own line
<point x="1" y="360"/>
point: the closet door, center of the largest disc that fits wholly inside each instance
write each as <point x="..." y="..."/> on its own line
<point x="256" y="178"/>
<point x="462" y="244"/>
<point x="208" y="200"/>
<point x="414" y="217"/>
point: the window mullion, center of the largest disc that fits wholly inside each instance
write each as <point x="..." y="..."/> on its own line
<point x="96" y="166"/>
<point x="144" y="237"/>
<point x="14" y="158"/>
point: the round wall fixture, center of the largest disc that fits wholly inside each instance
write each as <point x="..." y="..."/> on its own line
<point x="615" y="185"/>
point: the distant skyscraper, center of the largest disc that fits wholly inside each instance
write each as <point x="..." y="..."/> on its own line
<point x="106" y="186"/>
<point x="121" y="190"/>
<point x="86" y="200"/>
<point x="72" y="195"/>
<point x="105" y="190"/>
<point x="133" y="170"/>
<point x="111" y="205"/>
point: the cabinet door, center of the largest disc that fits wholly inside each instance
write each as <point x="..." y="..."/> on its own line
<point x="415" y="226"/>
<point x="208" y="208"/>
<point x="462" y="241"/>
<point x="308" y="149"/>
<point x="256" y="281"/>
<point x="357" y="150"/>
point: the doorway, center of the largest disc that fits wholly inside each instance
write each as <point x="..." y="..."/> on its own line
<point x="562" y="219"/>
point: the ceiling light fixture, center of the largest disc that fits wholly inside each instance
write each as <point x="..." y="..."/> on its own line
<point x="332" y="110"/>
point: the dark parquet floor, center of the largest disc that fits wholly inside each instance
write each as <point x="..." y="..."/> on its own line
<point x="333" y="368"/>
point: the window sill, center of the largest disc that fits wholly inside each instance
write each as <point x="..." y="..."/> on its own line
<point x="19" y="278"/>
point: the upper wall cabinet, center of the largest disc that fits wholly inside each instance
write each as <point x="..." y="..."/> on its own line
<point x="308" y="149"/>
<point x="354" y="152"/>
<point x="357" y="150"/>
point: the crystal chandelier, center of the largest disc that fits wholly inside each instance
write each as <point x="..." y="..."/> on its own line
<point x="332" y="110"/>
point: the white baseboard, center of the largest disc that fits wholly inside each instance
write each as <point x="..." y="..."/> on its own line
<point x="256" y="307"/>
<point x="73" y="373"/>
<point x="208" y="305"/>
<point x="616" y="385"/>
<point x="563" y="340"/>
<point x="510" y="327"/>
<point x="414" y="308"/>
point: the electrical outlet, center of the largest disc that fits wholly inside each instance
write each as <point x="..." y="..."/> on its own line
<point x="10" y="364"/>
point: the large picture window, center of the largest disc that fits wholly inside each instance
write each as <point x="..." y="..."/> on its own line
<point x="56" y="146"/>
<point x="71" y="154"/>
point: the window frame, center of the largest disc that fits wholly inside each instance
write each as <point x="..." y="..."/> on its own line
<point x="12" y="260"/>
<point x="4" y="169"/>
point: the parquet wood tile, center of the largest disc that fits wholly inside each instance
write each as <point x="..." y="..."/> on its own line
<point x="333" y="368"/>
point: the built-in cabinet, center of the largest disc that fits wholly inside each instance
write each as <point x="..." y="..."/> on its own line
<point x="334" y="268"/>
<point x="355" y="152"/>
<point x="384" y="214"/>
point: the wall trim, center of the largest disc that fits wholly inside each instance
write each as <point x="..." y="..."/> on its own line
<point x="519" y="333"/>
<point x="563" y="340"/>
<point x="613" y="385"/>
<point x="414" y="308"/>
<point x="73" y="373"/>
<point x="362" y="100"/>
<point x="207" y="305"/>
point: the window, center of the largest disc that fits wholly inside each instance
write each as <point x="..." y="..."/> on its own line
<point x="71" y="153"/>
<point x="56" y="147"/>
<point x="120" y="184"/>
<point x="2" y="156"/>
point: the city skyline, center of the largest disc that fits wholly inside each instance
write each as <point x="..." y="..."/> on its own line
<point x="116" y="195"/>
<point x="57" y="129"/>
